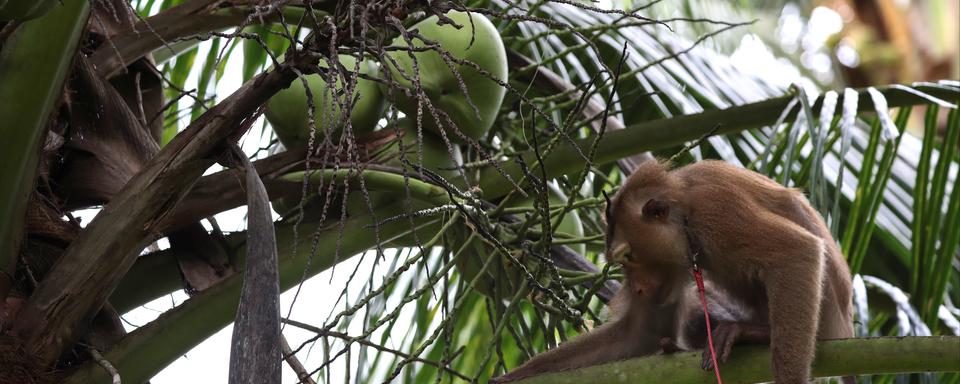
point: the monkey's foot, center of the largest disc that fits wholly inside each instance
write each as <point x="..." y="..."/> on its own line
<point x="725" y="334"/>
<point x="668" y="346"/>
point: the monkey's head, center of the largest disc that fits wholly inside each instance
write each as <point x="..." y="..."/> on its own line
<point x="645" y="231"/>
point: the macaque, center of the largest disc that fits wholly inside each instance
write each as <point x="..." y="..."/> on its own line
<point x="773" y="272"/>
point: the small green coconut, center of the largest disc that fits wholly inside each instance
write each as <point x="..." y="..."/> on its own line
<point x="287" y="110"/>
<point x="477" y="41"/>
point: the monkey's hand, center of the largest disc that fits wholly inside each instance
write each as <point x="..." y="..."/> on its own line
<point x="726" y="334"/>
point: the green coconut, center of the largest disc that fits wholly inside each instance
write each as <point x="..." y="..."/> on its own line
<point x="287" y="110"/>
<point x="478" y="42"/>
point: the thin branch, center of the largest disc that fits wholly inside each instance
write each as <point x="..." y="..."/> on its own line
<point x="693" y="144"/>
<point x="114" y="374"/>
<point x="293" y="361"/>
<point x="343" y="336"/>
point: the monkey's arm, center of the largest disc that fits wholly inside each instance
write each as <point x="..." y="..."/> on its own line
<point x="617" y="340"/>
<point x="792" y="262"/>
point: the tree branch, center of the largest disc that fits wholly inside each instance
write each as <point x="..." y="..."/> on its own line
<point x="751" y="364"/>
<point x="676" y="130"/>
<point x="223" y="190"/>
<point x="187" y="19"/>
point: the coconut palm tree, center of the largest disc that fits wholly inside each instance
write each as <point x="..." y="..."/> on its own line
<point x="469" y="237"/>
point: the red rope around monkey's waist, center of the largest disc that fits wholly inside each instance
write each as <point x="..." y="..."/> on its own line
<point x="706" y="315"/>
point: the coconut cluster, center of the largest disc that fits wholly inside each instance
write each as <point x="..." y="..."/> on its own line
<point x="459" y="68"/>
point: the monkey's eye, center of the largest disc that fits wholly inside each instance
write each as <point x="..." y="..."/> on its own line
<point x="656" y="209"/>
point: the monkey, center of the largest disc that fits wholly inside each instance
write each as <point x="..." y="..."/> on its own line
<point x="768" y="259"/>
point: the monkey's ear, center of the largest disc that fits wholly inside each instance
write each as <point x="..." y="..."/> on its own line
<point x="656" y="209"/>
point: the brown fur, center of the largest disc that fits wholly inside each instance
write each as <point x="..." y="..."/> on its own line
<point x="773" y="271"/>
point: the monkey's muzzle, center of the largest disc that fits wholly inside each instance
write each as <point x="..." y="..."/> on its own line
<point x="621" y="254"/>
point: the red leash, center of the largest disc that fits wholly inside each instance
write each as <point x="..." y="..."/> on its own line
<point x="706" y="314"/>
